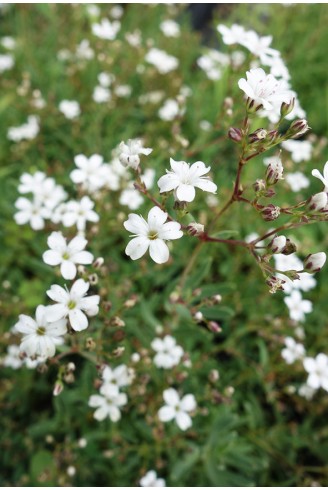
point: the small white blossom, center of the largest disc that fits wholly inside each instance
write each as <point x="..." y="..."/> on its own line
<point x="170" y="110"/>
<point x="108" y="406"/>
<point x="264" y="89"/>
<point x="183" y="179"/>
<point x="293" y="351"/>
<point x="84" y="51"/>
<point x="324" y="177"/>
<point x="89" y="172"/>
<point x="70" y="109"/>
<point x="101" y="94"/>
<point x="315" y="262"/>
<point x="79" y="212"/>
<point x="151" y="234"/>
<point x="114" y="379"/>
<point x="67" y="255"/>
<point x="123" y="90"/>
<point x="306" y="391"/>
<point x="161" y="60"/>
<point x="260" y="46"/>
<point x="297" y="181"/>
<point x="177" y="409"/>
<point x="236" y="34"/>
<point x="317" y="368"/>
<point x="298" y="306"/>
<point x="33" y="213"/>
<point x="212" y="63"/>
<point x="40" y="336"/>
<point x="27" y="131"/>
<point x="301" y="151"/>
<point x="8" y="42"/>
<point x="170" y="28"/>
<point x="106" y="29"/>
<point x="168" y="353"/>
<point x="129" y="153"/>
<point x="72" y="304"/>
<point x="6" y="62"/>
<point x="150" y="480"/>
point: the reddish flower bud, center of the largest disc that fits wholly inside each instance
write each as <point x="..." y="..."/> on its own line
<point x="315" y="262"/>
<point x="298" y="128"/>
<point x="258" y="135"/>
<point x="235" y="134"/>
<point x="287" y="107"/>
<point x="318" y="202"/>
<point x="270" y="212"/>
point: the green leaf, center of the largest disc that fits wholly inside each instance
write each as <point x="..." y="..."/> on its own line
<point x="43" y="469"/>
<point x="183" y="467"/>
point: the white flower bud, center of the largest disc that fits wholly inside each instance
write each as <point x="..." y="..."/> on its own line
<point x="58" y="388"/>
<point x="195" y="229"/>
<point x="198" y="316"/>
<point x="314" y="262"/>
<point x="318" y="202"/>
<point x="277" y="244"/>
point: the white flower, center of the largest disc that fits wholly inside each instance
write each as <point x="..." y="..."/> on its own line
<point x="89" y="172"/>
<point x="40" y="337"/>
<point x="298" y="306"/>
<point x="70" y="109"/>
<point x="170" y="110"/>
<point x="161" y="60"/>
<point x="116" y="12"/>
<point x="236" y="34"/>
<point x="318" y="371"/>
<point x="305" y="283"/>
<point x="300" y="150"/>
<point x="306" y="391"/>
<point x="260" y="46"/>
<point x="129" y="153"/>
<point x="315" y="262"/>
<point x="27" y="131"/>
<point x="105" y="79"/>
<point x="79" y="212"/>
<point x="170" y="28"/>
<point x="106" y="29"/>
<point x="150" y="480"/>
<point x="183" y="179"/>
<point x="6" y="62"/>
<point x="176" y="409"/>
<point x="264" y="89"/>
<point x="324" y="177"/>
<point x="319" y="201"/>
<point x="123" y="90"/>
<point x="67" y="255"/>
<point x="108" y="406"/>
<point x="168" y="354"/>
<point x="44" y="189"/>
<point x="293" y="351"/>
<point x="212" y="63"/>
<point x="113" y="379"/>
<point x="84" y="51"/>
<point x="33" y="213"/>
<point x="151" y="234"/>
<point x="101" y="94"/>
<point x="8" y="42"/>
<point x="297" y="181"/>
<point x="277" y="244"/>
<point x="134" y="38"/>
<point x="72" y="304"/>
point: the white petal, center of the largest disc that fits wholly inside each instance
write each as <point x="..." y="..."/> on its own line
<point x="188" y="403"/>
<point x="114" y="413"/>
<point x="68" y="269"/>
<point x="136" y="224"/>
<point x="170" y="231"/>
<point x="89" y="302"/>
<point x="56" y="312"/>
<point x="137" y="247"/>
<point x="58" y="294"/>
<point x="158" y="250"/>
<point x="245" y="87"/>
<point x="56" y="241"/>
<point x="171" y="397"/>
<point x="198" y="169"/>
<point x="166" y="413"/>
<point x="185" y="192"/>
<point x="79" y="289"/>
<point x="52" y="257"/>
<point x="84" y="258"/>
<point x="95" y="401"/>
<point x="81" y="161"/>
<point x="77" y="176"/>
<point x="168" y="182"/>
<point x="206" y="185"/>
<point x="183" y="420"/>
<point x="78" y="320"/>
<point x="156" y="217"/>
<point x="101" y="413"/>
<point x="26" y="324"/>
<point x="77" y="244"/>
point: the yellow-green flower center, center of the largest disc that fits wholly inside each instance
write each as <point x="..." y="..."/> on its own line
<point x="65" y="256"/>
<point x="152" y="235"/>
<point x="41" y="331"/>
<point x="71" y="305"/>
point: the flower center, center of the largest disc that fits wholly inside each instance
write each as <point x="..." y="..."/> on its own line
<point x="71" y="305"/>
<point x="65" y="256"/>
<point x="152" y="235"/>
<point x="41" y="331"/>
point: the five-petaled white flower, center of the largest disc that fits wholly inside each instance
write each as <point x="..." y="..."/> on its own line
<point x="298" y="306"/>
<point x="151" y="234"/>
<point x="67" y="255"/>
<point x="33" y="213"/>
<point x="183" y="179"/>
<point x="293" y="350"/>
<point x="264" y="89"/>
<point x="40" y="337"/>
<point x="113" y="379"/>
<point x="106" y="29"/>
<point x="318" y="371"/>
<point x="108" y="406"/>
<point x="150" y="480"/>
<point x="70" y="109"/>
<point x="89" y="172"/>
<point x="79" y="212"/>
<point x="72" y="304"/>
<point x="168" y="352"/>
<point x="177" y="409"/>
<point x="324" y="177"/>
<point x="129" y="153"/>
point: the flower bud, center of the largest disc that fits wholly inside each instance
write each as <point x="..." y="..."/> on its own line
<point x="314" y="262"/>
<point x="275" y="284"/>
<point x="274" y="172"/>
<point x="269" y="192"/>
<point x="214" y="327"/>
<point x="128" y="160"/>
<point x="258" y="135"/>
<point x="277" y="244"/>
<point x="58" y="388"/>
<point x="251" y="106"/>
<point x="270" y="212"/>
<point x="318" y="202"/>
<point x="214" y="375"/>
<point x="287" y="107"/>
<point x="198" y="316"/>
<point x="272" y="136"/>
<point x="290" y="247"/>
<point x="217" y="298"/>
<point x="297" y="128"/>
<point x="235" y="134"/>
<point x="98" y="262"/>
<point x="259" y="185"/>
<point x="195" y="229"/>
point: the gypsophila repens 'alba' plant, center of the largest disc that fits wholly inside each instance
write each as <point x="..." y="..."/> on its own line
<point x="151" y="231"/>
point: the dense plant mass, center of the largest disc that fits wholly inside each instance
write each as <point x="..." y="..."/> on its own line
<point x="164" y="205"/>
